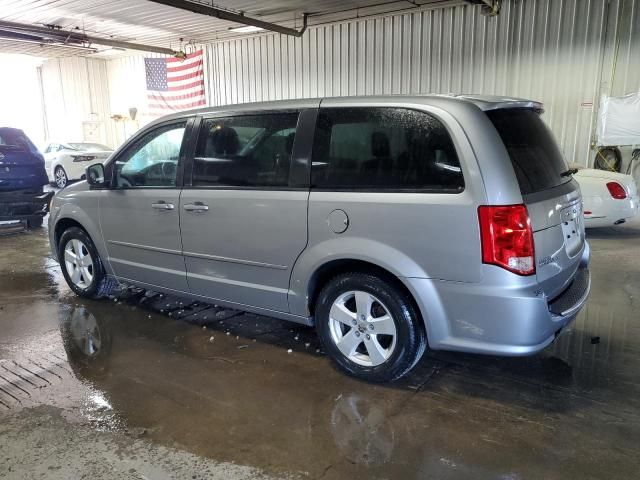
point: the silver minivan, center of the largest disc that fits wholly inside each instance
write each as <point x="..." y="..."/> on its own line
<point x="390" y="223"/>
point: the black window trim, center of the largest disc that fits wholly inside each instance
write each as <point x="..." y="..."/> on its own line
<point x="184" y="148"/>
<point x="377" y="189"/>
<point x="373" y="189"/>
<point x="301" y="149"/>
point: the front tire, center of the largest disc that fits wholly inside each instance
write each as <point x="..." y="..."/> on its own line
<point x="369" y="327"/>
<point x="81" y="265"/>
<point x="60" y="177"/>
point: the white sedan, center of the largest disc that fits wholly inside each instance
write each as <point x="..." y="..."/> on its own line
<point x="67" y="161"/>
<point x="609" y="198"/>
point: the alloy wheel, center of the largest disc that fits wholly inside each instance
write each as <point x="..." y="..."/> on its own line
<point x="362" y="328"/>
<point x="60" y="178"/>
<point x="78" y="262"/>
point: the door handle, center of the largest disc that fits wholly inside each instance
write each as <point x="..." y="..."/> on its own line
<point x="162" y="205"/>
<point x="196" y="207"/>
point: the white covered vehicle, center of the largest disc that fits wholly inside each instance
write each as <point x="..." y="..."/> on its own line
<point x="67" y="161"/>
<point x="609" y="198"/>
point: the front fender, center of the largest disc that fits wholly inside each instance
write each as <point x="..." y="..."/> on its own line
<point x="66" y="206"/>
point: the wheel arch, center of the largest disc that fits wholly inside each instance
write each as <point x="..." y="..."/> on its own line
<point x="414" y="339"/>
<point x="65" y="224"/>
<point x="332" y="268"/>
<point x="70" y="216"/>
<point x="57" y="163"/>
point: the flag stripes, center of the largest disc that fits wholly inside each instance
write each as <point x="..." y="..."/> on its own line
<point x="175" y="84"/>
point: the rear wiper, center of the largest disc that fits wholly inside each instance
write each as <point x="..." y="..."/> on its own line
<point x="571" y="171"/>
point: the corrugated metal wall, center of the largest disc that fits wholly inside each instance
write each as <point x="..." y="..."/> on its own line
<point x="126" y="76"/>
<point x="625" y="48"/>
<point x="561" y="52"/>
<point x="76" y="90"/>
<point x="548" y="50"/>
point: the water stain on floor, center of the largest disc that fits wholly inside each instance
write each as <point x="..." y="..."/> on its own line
<point x="225" y="386"/>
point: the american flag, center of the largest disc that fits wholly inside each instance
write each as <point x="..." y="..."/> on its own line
<point x="175" y="84"/>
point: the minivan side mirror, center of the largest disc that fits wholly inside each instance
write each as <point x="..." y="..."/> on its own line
<point x="95" y="175"/>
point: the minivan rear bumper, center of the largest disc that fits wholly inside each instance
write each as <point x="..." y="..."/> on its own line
<point x="498" y="318"/>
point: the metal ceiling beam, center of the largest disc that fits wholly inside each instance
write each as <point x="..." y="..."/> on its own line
<point x="10" y="35"/>
<point x="489" y="7"/>
<point x="17" y="37"/>
<point x="212" y="11"/>
<point x="59" y="37"/>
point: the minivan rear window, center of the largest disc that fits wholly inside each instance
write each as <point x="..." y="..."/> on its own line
<point x="534" y="153"/>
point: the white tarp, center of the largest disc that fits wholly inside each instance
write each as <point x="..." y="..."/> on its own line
<point x="619" y="120"/>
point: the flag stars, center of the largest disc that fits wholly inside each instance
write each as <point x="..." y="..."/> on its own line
<point x="156" y="71"/>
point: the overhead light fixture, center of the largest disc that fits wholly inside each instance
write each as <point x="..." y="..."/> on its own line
<point x="246" y="29"/>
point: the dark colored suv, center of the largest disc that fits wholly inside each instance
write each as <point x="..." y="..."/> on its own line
<point x="22" y="176"/>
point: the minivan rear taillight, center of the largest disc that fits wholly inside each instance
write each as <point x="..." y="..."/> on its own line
<point x="507" y="238"/>
<point x="616" y="190"/>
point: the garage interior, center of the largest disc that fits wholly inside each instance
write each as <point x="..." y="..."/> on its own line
<point x="183" y="389"/>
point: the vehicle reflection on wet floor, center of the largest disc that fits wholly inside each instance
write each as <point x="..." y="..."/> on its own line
<point x="222" y="384"/>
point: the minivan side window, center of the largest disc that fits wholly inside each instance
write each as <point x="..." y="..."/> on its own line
<point x="384" y="149"/>
<point x="245" y="151"/>
<point x="153" y="160"/>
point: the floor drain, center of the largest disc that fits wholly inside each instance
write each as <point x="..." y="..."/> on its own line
<point x="20" y="379"/>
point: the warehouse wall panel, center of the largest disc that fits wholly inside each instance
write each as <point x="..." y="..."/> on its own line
<point x="564" y="53"/>
<point x="548" y="50"/>
<point x="76" y="96"/>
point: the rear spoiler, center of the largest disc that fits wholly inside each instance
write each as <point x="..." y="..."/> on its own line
<point x="491" y="103"/>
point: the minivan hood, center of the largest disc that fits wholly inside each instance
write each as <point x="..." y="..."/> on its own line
<point x="72" y="189"/>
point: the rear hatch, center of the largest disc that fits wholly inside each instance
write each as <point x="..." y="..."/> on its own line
<point x="21" y="165"/>
<point x="552" y="197"/>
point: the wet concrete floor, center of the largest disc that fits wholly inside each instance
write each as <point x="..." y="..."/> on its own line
<point x="147" y="386"/>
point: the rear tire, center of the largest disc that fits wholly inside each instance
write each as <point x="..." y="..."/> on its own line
<point x="81" y="265"/>
<point x="370" y="327"/>
<point x="60" y="177"/>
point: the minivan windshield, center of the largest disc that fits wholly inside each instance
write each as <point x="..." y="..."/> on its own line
<point x="534" y="154"/>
